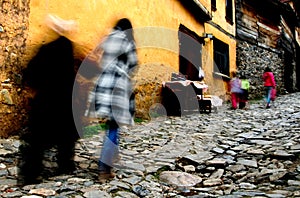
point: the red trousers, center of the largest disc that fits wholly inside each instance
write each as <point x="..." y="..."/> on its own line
<point x="234" y="100"/>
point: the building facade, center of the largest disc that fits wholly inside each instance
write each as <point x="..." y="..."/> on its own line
<point x="268" y="35"/>
<point x="164" y="31"/>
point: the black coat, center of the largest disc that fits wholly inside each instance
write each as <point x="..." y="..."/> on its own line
<point x="51" y="74"/>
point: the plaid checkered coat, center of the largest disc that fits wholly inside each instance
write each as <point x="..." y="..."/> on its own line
<point x="113" y="96"/>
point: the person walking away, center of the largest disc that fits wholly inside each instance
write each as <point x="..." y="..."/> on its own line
<point x="235" y="89"/>
<point x="269" y="84"/>
<point x="245" y="85"/>
<point x="113" y="98"/>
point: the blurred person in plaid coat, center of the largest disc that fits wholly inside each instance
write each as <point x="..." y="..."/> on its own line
<point x="113" y="98"/>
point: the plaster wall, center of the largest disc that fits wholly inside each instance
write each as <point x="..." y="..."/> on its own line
<point x="155" y="23"/>
<point x="224" y="31"/>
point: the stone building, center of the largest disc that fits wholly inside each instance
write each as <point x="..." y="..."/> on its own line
<point x="14" y="22"/>
<point x="268" y="35"/>
<point x="164" y="31"/>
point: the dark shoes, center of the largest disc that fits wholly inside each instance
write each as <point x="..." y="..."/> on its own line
<point x="24" y="181"/>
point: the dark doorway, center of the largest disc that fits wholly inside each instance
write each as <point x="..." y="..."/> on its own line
<point x="190" y="53"/>
<point x="288" y="71"/>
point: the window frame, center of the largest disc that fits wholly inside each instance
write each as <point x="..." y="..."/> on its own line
<point x="229" y="11"/>
<point x="213" y="5"/>
<point x="221" y="55"/>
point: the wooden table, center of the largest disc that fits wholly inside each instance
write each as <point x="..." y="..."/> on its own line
<point x="180" y="97"/>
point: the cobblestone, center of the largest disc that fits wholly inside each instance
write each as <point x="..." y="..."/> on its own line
<point x="227" y="153"/>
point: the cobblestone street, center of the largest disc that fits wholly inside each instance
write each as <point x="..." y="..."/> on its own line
<point x="227" y="153"/>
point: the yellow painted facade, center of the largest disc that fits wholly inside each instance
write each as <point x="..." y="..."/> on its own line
<point x="217" y="26"/>
<point x="95" y="18"/>
<point x="218" y="17"/>
<point x="156" y="24"/>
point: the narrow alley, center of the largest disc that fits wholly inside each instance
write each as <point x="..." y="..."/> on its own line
<point x="227" y="153"/>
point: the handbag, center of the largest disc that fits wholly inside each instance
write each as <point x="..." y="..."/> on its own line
<point x="273" y="94"/>
<point x="90" y="66"/>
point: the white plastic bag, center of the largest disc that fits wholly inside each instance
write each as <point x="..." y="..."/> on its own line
<point x="216" y="101"/>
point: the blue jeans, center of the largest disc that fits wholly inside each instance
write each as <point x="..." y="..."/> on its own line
<point x="268" y="94"/>
<point x="110" y="148"/>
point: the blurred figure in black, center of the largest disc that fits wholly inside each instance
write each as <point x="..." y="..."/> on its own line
<point x="51" y="75"/>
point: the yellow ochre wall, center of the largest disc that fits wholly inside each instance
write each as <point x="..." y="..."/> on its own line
<point x="95" y="18"/>
<point x="217" y="26"/>
<point x="155" y="23"/>
<point x="218" y="17"/>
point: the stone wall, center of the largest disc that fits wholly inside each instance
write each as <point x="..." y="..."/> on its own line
<point x="13" y="33"/>
<point x="252" y="60"/>
<point x="148" y="87"/>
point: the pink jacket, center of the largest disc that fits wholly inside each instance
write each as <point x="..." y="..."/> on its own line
<point x="269" y="80"/>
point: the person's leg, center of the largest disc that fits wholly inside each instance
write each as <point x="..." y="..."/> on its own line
<point x="268" y="96"/>
<point x="30" y="164"/>
<point x="65" y="139"/>
<point x="242" y="100"/>
<point x="65" y="157"/>
<point x="242" y="104"/>
<point x="110" y="148"/>
<point x="234" y="100"/>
